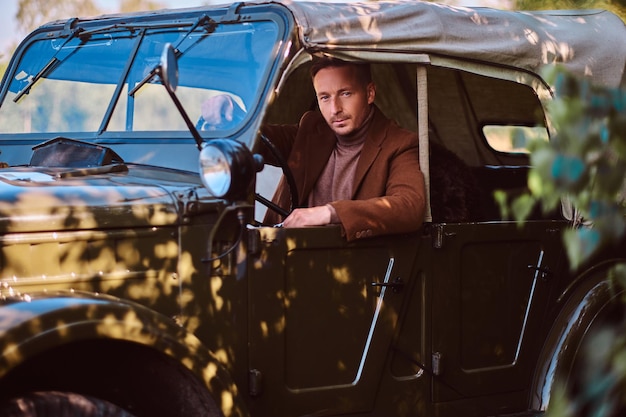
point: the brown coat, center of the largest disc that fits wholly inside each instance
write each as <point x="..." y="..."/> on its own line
<point x="388" y="193"/>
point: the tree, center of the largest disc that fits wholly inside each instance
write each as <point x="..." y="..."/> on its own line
<point x="33" y="13"/>
<point x="139" y="5"/>
<point x="584" y="164"/>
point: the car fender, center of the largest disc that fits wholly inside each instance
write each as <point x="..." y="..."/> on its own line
<point x="31" y="325"/>
<point x="584" y="302"/>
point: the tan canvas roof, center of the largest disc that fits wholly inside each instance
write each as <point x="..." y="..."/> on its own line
<point x="588" y="42"/>
<point x="591" y="43"/>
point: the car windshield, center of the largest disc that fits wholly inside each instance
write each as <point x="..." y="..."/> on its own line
<point x="82" y="83"/>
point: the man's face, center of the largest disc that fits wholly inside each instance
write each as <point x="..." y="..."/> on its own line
<point x="343" y="101"/>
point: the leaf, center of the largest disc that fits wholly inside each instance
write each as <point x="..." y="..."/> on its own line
<point x="568" y="170"/>
<point x="501" y="199"/>
<point x="522" y="206"/>
<point x="581" y="244"/>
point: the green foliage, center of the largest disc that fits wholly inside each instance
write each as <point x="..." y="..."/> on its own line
<point x="583" y="163"/>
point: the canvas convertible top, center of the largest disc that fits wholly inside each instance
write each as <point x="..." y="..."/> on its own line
<point x="590" y="43"/>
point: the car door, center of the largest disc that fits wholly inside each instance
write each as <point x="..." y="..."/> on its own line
<point x="491" y="285"/>
<point x="322" y="316"/>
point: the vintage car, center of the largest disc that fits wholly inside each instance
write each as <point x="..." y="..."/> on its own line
<point x="137" y="277"/>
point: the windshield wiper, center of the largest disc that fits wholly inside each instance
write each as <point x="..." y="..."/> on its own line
<point x="209" y="27"/>
<point x="45" y="70"/>
<point x="52" y="64"/>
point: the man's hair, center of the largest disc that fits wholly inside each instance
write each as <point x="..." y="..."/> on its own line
<point x="363" y="70"/>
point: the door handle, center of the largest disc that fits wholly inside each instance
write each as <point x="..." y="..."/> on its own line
<point x="397" y="285"/>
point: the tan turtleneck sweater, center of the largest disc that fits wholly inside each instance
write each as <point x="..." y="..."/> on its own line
<point x="336" y="181"/>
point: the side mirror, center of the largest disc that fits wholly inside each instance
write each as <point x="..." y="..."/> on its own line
<point x="169" y="68"/>
<point x="168" y="72"/>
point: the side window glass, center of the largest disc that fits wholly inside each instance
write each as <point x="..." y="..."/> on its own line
<point x="513" y="139"/>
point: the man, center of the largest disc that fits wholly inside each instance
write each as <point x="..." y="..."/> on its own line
<point x="352" y="166"/>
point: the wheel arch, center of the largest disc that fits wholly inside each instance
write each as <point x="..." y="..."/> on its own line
<point x="60" y="340"/>
<point x="591" y="297"/>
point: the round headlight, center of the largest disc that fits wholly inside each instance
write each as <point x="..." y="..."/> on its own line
<point x="215" y="170"/>
<point x="228" y="168"/>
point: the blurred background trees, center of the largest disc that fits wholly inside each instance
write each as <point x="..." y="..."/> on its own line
<point x="33" y="13"/>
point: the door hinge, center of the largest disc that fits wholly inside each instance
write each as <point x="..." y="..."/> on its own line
<point x="254" y="241"/>
<point x="439" y="235"/>
<point x="255" y="382"/>
<point x="436" y="363"/>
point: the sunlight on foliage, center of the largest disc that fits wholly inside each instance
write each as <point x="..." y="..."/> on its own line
<point x="584" y="162"/>
<point x="583" y="167"/>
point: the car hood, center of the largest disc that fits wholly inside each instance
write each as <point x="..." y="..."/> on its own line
<point x="39" y="200"/>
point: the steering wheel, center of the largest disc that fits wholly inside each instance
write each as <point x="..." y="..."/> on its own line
<point x="291" y="183"/>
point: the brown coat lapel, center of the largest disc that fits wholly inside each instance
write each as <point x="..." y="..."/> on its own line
<point x="371" y="149"/>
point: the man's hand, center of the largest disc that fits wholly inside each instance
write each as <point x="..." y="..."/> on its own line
<point x="217" y="110"/>
<point x="312" y="216"/>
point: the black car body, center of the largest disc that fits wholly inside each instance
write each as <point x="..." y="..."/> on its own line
<point x="130" y="278"/>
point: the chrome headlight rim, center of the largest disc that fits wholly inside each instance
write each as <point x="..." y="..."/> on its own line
<point x="215" y="170"/>
<point x="227" y="168"/>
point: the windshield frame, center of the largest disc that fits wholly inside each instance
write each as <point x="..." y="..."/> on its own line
<point x="181" y="21"/>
